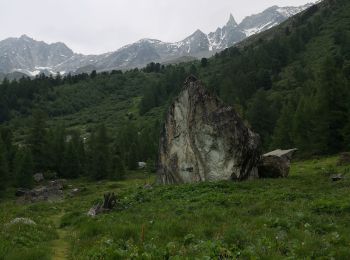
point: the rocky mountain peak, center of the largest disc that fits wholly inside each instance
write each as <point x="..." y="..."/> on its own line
<point x="25" y="38"/>
<point x="26" y="55"/>
<point x="198" y="33"/>
<point x="231" y="22"/>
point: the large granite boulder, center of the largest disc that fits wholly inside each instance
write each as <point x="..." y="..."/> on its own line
<point x="276" y="164"/>
<point x="204" y="140"/>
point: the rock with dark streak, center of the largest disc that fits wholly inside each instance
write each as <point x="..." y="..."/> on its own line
<point x="205" y="140"/>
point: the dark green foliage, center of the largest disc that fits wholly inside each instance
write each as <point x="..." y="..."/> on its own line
<point x="24" y="168"/>
<point x="37" y="140"/>
<point x="261" y="116"/>
<point x="99" y="154"/>
<point x="4" y="166"/>
<point x="118" y="171"/>
<point x="73" y="162"/>
<point x="204" y="62"/>
<point x="56" y="144"/>
<point x="283" y="136"/>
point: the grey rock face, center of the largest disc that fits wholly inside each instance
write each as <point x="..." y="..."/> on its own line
<point x="276" y="164"/>
<point x="26" y="55"/>
<point x="204" y="140"/>
<point x="269" y="18"/>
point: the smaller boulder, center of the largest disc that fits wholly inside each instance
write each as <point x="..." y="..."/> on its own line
<point x="38" y="177"/>
<point x="25" y="221"/>
<point x="74" y="192"/>
<point x="142" y="165"/>
<point x="58" y="184"/>
<point x="337" y="177"/>
<point x="148" y="186"/>
<point x="21" y="192"/>
<point x="276" y="164"/>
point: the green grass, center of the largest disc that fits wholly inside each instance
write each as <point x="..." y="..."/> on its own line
<point x="305" y="216"/>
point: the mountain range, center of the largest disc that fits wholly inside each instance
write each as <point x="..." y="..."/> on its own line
<point x="28" y="56"/>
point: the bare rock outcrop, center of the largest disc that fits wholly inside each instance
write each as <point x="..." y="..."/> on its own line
<point x="52" y="192"/>
<point x="276" y="164"/>
<point x="205" y="140"/>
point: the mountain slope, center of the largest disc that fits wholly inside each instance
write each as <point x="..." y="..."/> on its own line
<point x="32" y="57"/>
<point x="29" y="56"/>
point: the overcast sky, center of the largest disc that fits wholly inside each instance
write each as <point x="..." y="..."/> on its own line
<point x="97" y="26"/>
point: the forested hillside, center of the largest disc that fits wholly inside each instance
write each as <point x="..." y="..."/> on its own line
<point x="290" y="83"/>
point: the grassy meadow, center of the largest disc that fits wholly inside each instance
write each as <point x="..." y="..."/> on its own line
<point x="305" y="216"/>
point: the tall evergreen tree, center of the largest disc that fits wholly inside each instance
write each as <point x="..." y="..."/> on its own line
<point x="24" y="168"/>
<point x="302" y="125"/>
<point x="282" y="137"/>
<point x="56" y="141"/>
<point x="132" y="157"/>
<point x="70" y="165"/>
<point x="118" y="172"/>
<point x="99" y="152"/>
<point x="37" y="141"/>
<point x="260" y="115"/>
<point x="330" y="115"/>
<point x="4" y="166"/>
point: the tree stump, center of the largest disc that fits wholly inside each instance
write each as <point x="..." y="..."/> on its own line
<point x="109" y="202"/>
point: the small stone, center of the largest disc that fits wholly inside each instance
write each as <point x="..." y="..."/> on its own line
<point x="25" y="221"/>
<point x="38" y="177"/>
<point x="142" y="165"/>
<point x="337" y="177"/>
<point x="148" y="187"/>
<point x="21" y="192"/>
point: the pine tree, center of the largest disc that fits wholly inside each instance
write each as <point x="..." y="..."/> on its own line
<point x="302" y="125"/>
<point x="4" y="165"/>
<point x="24" y="167"/>
<point x="56" y="141"/>
<point x="260" y="115"/>
<point x="37" y="141"/>
<point x="79" y="146"/>
<point x="99" y="153"/>
<point x="282" y="137"/>
<point x="330" y="110"/>
<point x="118" y="172"/>
<point x="73" y="157"/>
<point x="204" y="62"/>
<point x="70" y="164"/>
<point x="132" y="157"/>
